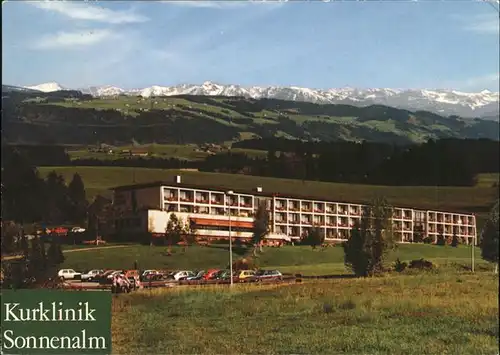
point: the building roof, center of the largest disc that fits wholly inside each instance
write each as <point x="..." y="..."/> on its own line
<point x="255" y="193"/>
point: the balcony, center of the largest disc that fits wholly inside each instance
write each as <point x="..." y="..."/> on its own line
<point x="306" y="208"/>
<point x="186" y="199"/>
<point x="355" y="211"/>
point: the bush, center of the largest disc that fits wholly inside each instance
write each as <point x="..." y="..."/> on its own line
<point x="427" y="240"/>
<point x="441" y="240"/>
<point x="421" y="264"/>
<point x="455" y="241"/>
<point x="400" y="266"/>
<point x="244" y="264"/>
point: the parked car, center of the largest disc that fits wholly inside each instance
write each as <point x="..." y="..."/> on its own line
<point x="69" y="274"/>
<point x="198" y="276"/>
<point x="104" y="278"/>
<point x="132" y="273"/>
<point x="246" y="276"/>
<point x="274" y="275"/>
<point x="225" y="276"/>
<point x="77" y="230"/>
<point x="181" y="275"/>
<point x="211" y="274"/>
<point x="91" y="275"/>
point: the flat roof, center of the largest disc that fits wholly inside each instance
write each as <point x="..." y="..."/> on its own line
<point x="262" y="194"/>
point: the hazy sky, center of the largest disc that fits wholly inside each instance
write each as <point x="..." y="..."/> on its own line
<point x="396" y="44"/>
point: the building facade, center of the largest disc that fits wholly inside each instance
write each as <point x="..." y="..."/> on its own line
<point x="212" y="212"/>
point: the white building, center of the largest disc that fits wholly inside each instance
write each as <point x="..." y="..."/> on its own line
<point x="146" y="208"/>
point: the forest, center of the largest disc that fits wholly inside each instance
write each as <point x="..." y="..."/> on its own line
<point x="447" y="162"/>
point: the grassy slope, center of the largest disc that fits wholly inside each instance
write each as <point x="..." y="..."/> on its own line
<point x="288" y="259"/>
<point x="99" y="179"/>
<point x="411" y="129"/>
<point x="401" y="314"/>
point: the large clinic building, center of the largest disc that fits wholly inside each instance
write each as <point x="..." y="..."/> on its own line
<point x="146" y="208"/>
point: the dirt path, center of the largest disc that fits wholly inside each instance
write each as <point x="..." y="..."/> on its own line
<point x="13" y="257"/>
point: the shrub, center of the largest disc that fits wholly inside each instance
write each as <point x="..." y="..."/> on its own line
<point x="400" y="266"/>
<point x="371" y="238"/>
<point x="421" y="264"/>
<point x="455" y="241"/>
<point x="244" y="264"/>
<point x="427" y="240"/>
<point x="441" y="240"/>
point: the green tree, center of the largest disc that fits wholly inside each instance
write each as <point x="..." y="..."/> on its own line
<point x="173" y="232"/>
<point x="37" y="262"/>
<point x="370" y="240"/>
<point x="489" y="240"/>
<point x="418" y="234"/>
<point x="55" y="255"/>
<point x="77" y="199"/>
<point x="10" y="232"/>
<point x="314" y="237"/>
<point x="58" y="207"/>
<point x="441" y="240"/>
<point x="188" y="232"/>
<point x="260" y="225"/>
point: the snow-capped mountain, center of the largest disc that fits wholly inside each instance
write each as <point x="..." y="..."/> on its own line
<point x="444" y="102"/>
<point x="46" y="87"/>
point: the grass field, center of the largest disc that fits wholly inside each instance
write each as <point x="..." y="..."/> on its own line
<point x="399" y="314"/>
<point x="296" y="259"/>
<point x="449" y="310"/>
<point x="165" y="151"/>
<point x="478" y="199"/>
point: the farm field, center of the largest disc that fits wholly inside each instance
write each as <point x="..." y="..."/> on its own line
<point x="165" y="151"/>
<point x="98" y="180"/>
<point x="298" y="259"/>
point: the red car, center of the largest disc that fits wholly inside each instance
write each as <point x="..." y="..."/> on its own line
<point x="209" y="275"/>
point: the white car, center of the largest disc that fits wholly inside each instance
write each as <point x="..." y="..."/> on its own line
<point x="78" y="230"/>
<point x="91" y="274"/>
<point x="183" y="274"/>
<point x="148" y="272"/>
<point x="69" y="274"/>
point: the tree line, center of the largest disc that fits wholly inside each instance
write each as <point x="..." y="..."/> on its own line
<point x="447" y="162"/>
<point x="29" y="198"/>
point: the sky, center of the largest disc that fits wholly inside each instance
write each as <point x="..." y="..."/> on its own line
<point x="368" y="44"/>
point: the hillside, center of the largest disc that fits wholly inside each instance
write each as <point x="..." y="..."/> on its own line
<point x="98" y="180"/>
<point x="443" y="102"/>
<point x="72" y="118"/>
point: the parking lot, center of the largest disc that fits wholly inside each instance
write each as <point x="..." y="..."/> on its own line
<point x="130" y="280"/>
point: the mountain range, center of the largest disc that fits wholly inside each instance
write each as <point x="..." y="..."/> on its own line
<point x="484" y="104"/>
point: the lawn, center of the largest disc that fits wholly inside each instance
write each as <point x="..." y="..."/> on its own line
<point x="461" y="199"/>
<point x="436" y="313"/>
<point x="449" y="310"/>
<point x="298" y="259"/>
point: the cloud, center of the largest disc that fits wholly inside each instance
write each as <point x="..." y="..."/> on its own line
<point x="87" y="12"/>
<point x="74" y="39"/>
<point x="482" y="23"/>
<point x="229" y="4"/>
